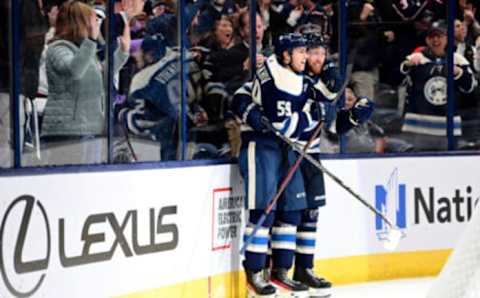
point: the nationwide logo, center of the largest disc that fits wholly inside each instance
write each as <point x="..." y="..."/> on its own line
<point x="20" y="240"/>
<point x="390" y="199"/>
<point x="429" y="205"/>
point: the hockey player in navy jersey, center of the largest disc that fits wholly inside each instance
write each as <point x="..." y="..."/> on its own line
<point x="278" y="93"/>
<point x="326" y="82"/>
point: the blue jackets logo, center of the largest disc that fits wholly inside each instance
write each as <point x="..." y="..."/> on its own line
<point x="390" y="199"/>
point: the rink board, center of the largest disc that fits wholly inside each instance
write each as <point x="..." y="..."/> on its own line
<point x="176" y="232"/>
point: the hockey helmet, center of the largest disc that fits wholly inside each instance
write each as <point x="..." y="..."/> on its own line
<point x="313" y="35"/>
<point x="288" y="42"/>
<point x="315" y="40"/>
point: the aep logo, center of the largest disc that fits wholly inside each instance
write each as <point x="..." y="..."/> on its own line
<point x="390" y="199"/>
<point x="19" y="265"/>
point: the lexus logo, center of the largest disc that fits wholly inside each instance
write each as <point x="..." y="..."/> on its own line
<point x="22" y="240"/>
<point x="19" y="265"/>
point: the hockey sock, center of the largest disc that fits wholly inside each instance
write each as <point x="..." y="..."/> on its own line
<point x="306" y="236"/>
<point x="256" y="252"/>
<point x="283" y="238"/>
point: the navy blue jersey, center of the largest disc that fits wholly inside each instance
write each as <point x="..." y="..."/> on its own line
<point x="154" y="95"/>
<point x="427" y="93"/>
<point x="280" y="95"/>
<point x="323" y="108"/>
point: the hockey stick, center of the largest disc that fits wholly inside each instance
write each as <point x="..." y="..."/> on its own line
<point x="282" y="187"/>
<point x="393" y="234"/>
<point x="291" y="171"/>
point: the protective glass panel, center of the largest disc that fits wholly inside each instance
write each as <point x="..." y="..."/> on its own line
<point x="218" y="66"/>
<point x="400" y="65"/>
<point x="6" y="153"/>
<point x="62" y="86"/>
<point x="466" y="76"/>
<point x="148" y="104"/>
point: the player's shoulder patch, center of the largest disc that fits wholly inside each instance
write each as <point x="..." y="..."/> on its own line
<point x="263" y="74"/>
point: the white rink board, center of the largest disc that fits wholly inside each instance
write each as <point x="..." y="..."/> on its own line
<point x="92" y="203"/>
<point x="75" y="197"/>
<point x="347" y="228"/>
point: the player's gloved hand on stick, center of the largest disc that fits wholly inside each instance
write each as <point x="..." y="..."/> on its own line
<point x="254" y="119"/>
<point x="362" y="110"/>
<point x="319" y="112"/>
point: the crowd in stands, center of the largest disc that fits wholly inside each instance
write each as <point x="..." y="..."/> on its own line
<point x="397" y="57"/>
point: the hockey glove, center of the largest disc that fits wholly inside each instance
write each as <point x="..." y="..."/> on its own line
<point x="255" y="119"/>
<point x="361" y="111"/>
<point x="318" y="111"/>
<point x="331" y="76"/>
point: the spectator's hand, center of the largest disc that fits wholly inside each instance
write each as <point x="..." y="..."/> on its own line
<point x="380" y="145"/>
<point x="389" y="35"/>
<point x="52" y="15"/>
<point x="200" y="118"/>
<point x="129" y="8"/>
<point x="367" y="9"/>
<point x="294" y="15"/>
<point x="246" y="64"/>
<point x="362" y="110"/>
<point x="294" y="2"/>
<point x="259" y="61"/>
<point x="414" y="59"/>
<point x="477" y="41"/>
<point x="125" y="39"/>
<point x="468" y="16"/>
<point x="94" y="27"/>
<point x="457" y="70"/>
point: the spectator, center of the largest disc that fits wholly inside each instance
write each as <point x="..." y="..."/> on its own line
<point x="285" y="16"/>
<point x="468" y="105"/>
<point x="368" y="136"/>
<point x="235" y="62"/>
<point x="319" y="14"/>
<point x="32" y="38"/>
<point x="468" y="9"/>
<point x="366" y="63"/>
<point x="425" y="120"/>
<point x="5" y="133"/>
<point x="74" y="119"/>
<point x="209" y="12"/>
<point x="33" y="29"/>
<point x="153" y="104"/>
<point x="221" y="36"/>
<point x="219" y="41"/>
<point x="52" y="13"/>
<point x="463" y="46"/>
<point x="164" y="21"/>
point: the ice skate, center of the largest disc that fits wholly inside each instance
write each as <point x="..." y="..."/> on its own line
<point x="287" y="288"/>
<point x="318" y="287"/>
<point x="257" y="287"/>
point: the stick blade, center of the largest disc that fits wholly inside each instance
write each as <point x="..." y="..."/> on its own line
<point x="393" y="239"/>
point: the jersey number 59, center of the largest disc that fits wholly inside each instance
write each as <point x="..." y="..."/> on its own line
<point x="284" y="108"/>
